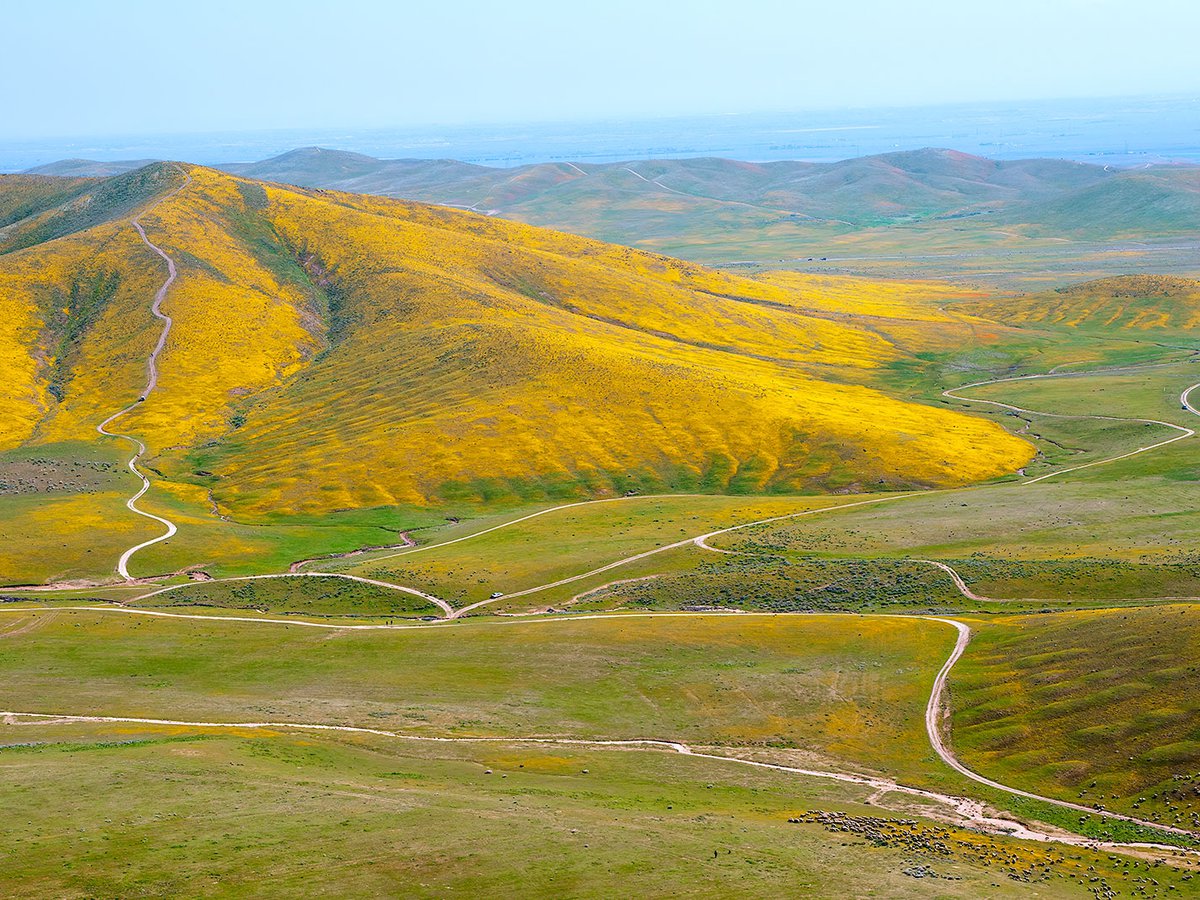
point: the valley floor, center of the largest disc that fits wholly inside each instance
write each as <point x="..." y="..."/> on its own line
<point x="698" y="694"/>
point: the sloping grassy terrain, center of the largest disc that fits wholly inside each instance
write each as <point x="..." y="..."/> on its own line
<point x="578" y="540"/>
<point x="898" y="214"/>
<point x="1136" y="204"/>
<point x="611" y="352"/>
<point x="22" y="196"/>
<point x="1093" y="706"/>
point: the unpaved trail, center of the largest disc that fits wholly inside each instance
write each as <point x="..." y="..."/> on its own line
<point x="701" y="540"/>
<point x="527" y="517"/>
<point x="935" y="709"/>
<point x="936" y="712"/>
<point x="698" y="541"/>
<point x="151" y="384"/>
<point x="965" y="590"/>
<point x="1183" y="399"/>
<point x="968" y="811"/>
<point x="405" y="541"/>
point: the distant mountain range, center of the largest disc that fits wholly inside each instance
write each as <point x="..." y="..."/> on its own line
<point x="720" y="210"/>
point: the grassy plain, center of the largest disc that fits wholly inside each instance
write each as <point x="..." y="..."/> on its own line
<point x="366" y="816"/>
<point x="838" y="688"/>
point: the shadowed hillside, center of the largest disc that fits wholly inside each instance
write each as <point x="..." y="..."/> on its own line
<point x="332" y="351"/>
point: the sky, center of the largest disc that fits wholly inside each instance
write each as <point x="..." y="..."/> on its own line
<point x="105" y="67"/>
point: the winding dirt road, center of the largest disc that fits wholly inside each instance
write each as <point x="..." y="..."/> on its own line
<point x="698" y="541"/>
<point x="935" y="714"/>
<point x="151" y="384"/>
<point x="968" y="811"/>
<point x="1183" y="399"/>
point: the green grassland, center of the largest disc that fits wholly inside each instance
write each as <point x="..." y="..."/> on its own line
<point x="1122" y="529"/>
<point x="1148" y="393"/>
<point x="817" y="691"/>
<point x="846" y="689"/>
<point x="365" y="816"/>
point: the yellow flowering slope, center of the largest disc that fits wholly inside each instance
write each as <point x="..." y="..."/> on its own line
<point x="333" y="351"/>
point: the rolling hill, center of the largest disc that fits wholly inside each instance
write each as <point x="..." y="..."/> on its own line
<point x="332" y="351"/>
<point x="1137" y="302"/>
<point x="864" y="191"/>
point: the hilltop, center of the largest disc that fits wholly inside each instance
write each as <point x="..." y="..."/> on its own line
<point x="332" y="351"/>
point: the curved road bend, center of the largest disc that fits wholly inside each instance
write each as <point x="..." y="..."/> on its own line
<point x="969" y="810"/>
<point x="936" y="712"/>
<point x="151" y="384"/>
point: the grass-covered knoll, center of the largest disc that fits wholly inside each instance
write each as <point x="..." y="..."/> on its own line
<point x="847" y="689"/>
<point x="369" y="816"/>
<point x="779" y="584"/>
<point x="22" y="196"/>
<point x="37" y="215"/>
<point x="469" y="342"/>
<point x="1094" y="706"/>
<point x="564" y="543"/>
<point x="308" y="596"/>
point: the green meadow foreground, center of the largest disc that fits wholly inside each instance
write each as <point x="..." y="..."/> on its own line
<point x="366" y="811"/>
<point x="481" y="577"/>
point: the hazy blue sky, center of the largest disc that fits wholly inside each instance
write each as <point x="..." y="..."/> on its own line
<point x="71" y="67"/>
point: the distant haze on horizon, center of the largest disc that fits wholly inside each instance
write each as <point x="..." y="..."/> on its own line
<point x="1119" y="132"/>
<point x="77" y="68"/>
